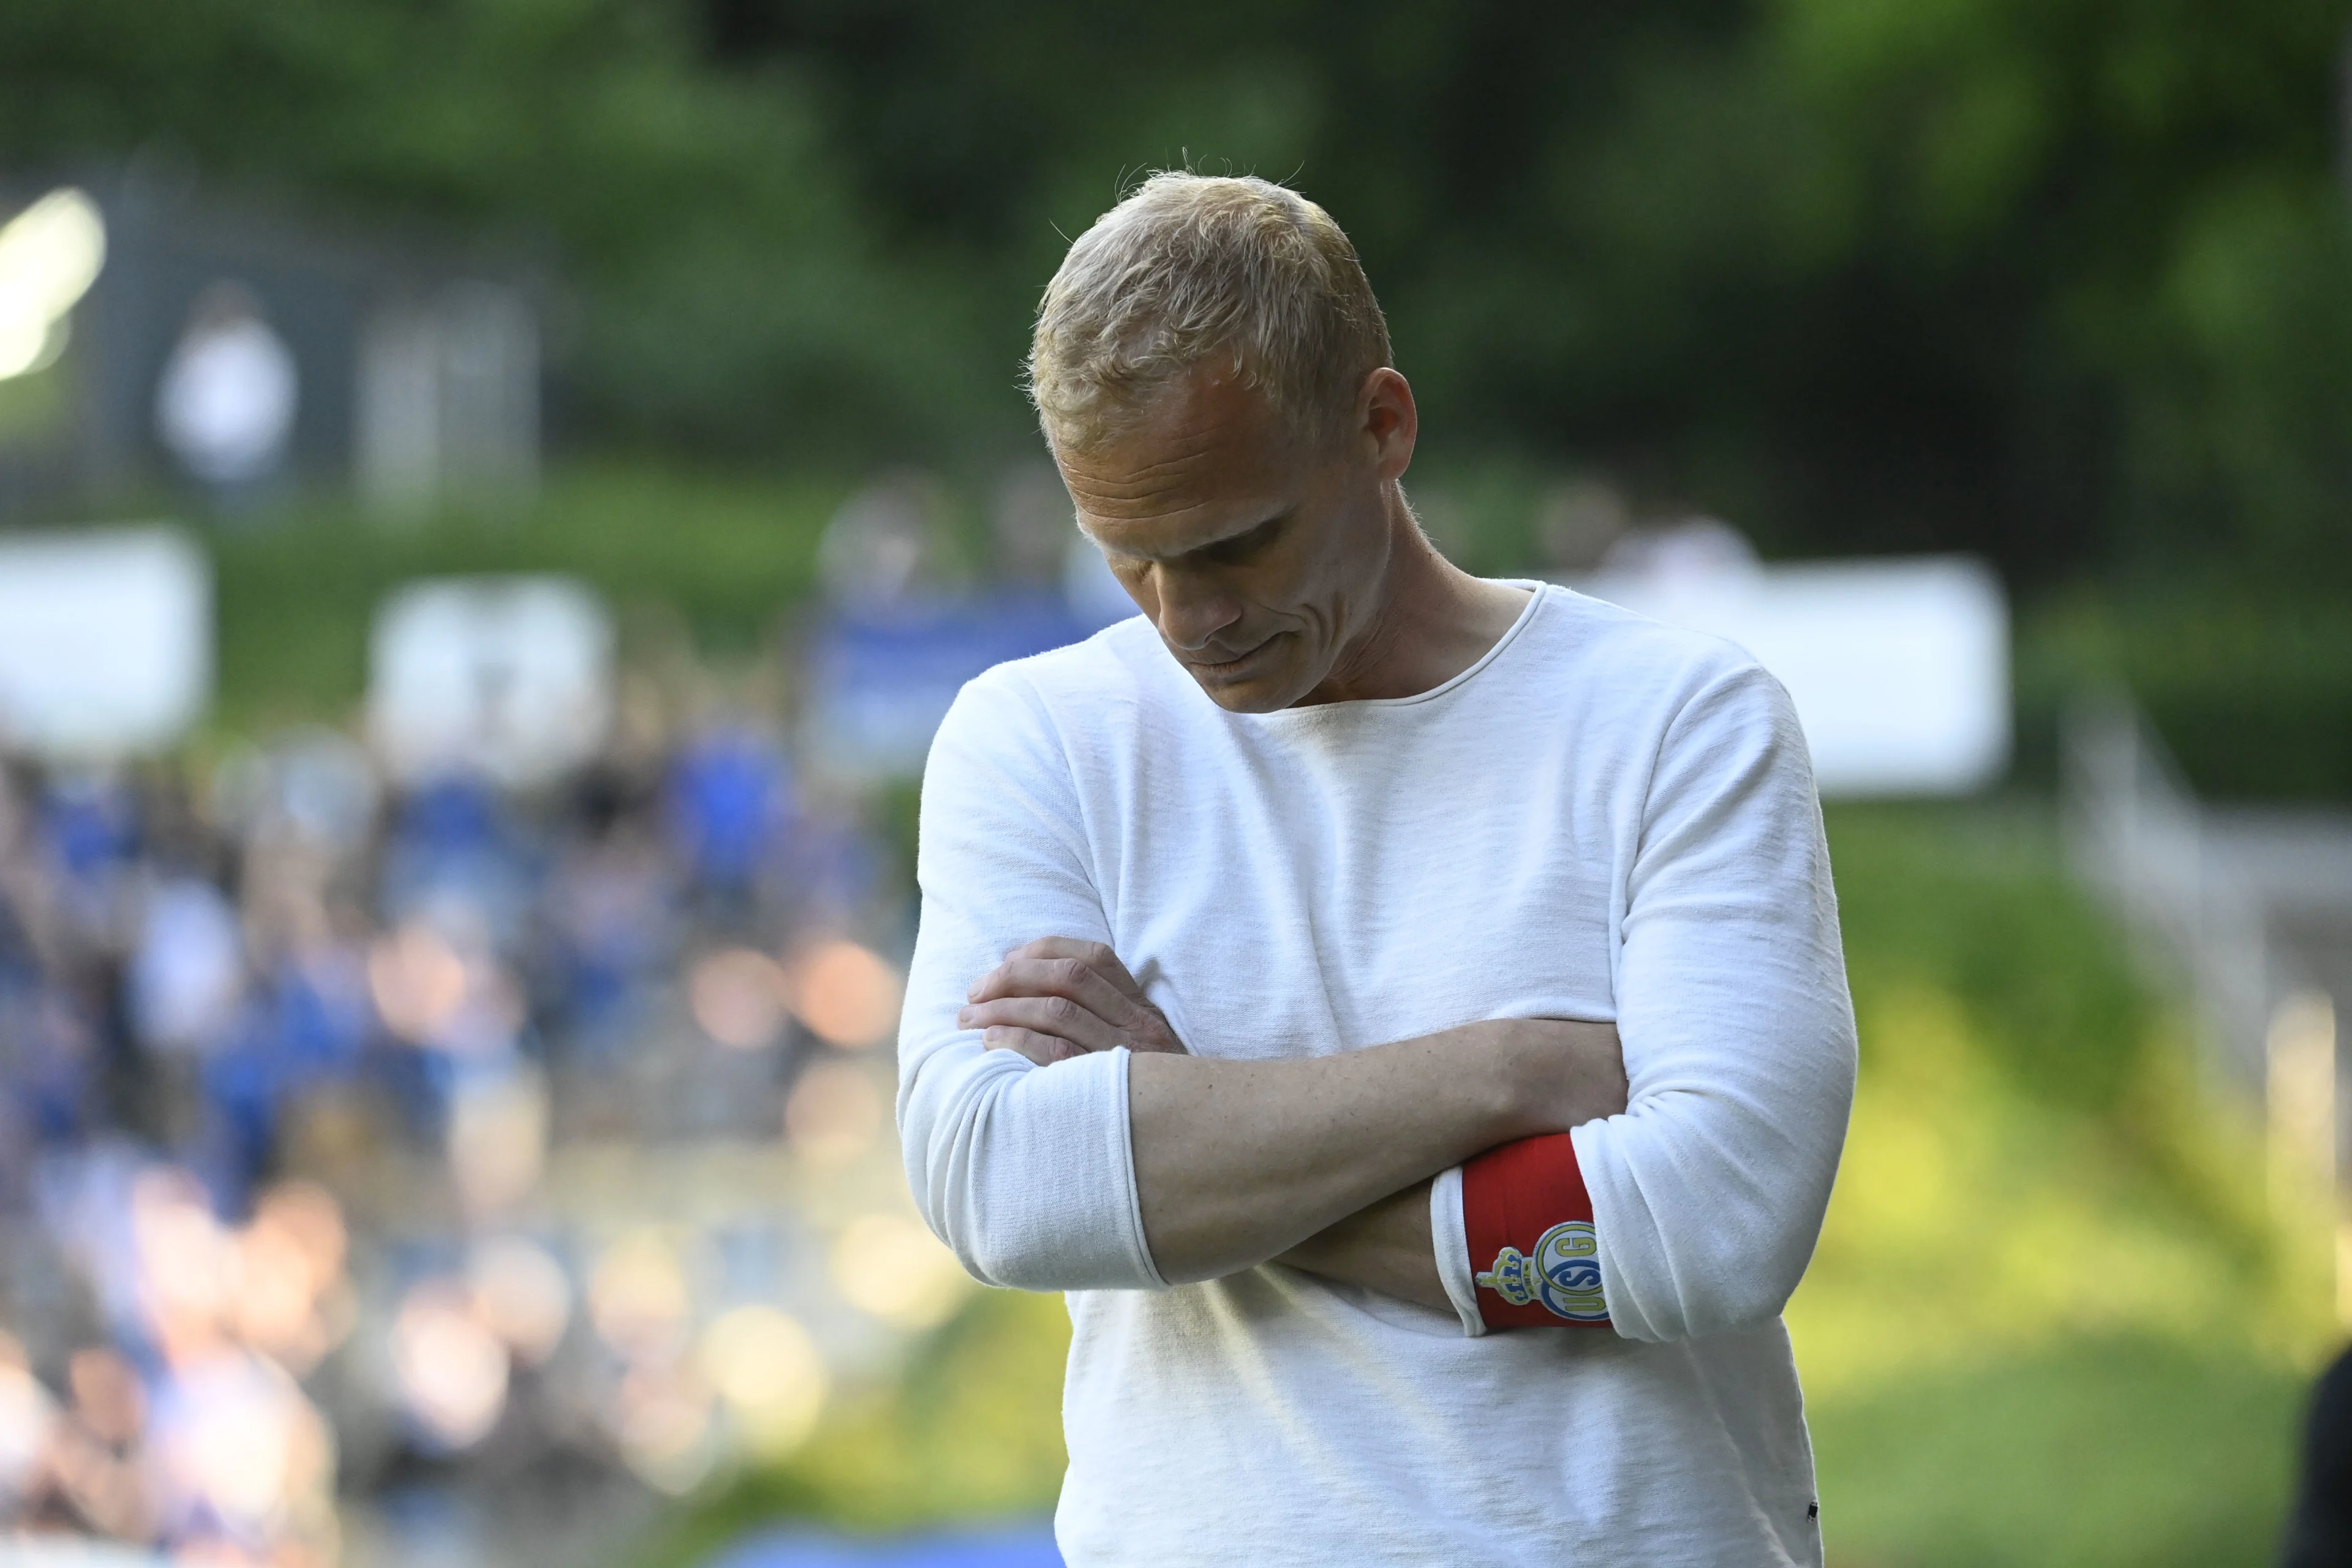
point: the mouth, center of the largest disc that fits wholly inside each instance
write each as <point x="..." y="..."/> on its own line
<point x="1238" y="668"/>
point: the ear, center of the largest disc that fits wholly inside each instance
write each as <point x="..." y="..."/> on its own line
<point x="1388" y="421"/>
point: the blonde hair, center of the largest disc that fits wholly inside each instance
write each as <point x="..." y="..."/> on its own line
<point x="1189" y="267"/>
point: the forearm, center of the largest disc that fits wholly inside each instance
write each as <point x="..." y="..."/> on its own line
<point x="1237" y="1161"/>
<point x="1386" y="1246"/>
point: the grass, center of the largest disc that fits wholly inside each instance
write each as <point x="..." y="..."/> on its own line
<point x="2089" y="1453"/>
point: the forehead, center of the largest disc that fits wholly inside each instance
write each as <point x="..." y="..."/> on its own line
<point x="1208" y="457"/>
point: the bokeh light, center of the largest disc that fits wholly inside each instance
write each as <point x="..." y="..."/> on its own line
<point x="498" y="1135"/>
<point x="452" y="1370"/>
<point x="836" y="1113"/>
<point x="763" y="1363"/>
<point x="418" y="980"/>
<point x="736" y="997"/>
<point x="661" y="1422"/>
<point x="522" y="1295"/>
<point x="891" y="1266"/>
<point x="846" y="994"/>
<point x="291" y="1302"/>
<point x="187" y="1264"/>
<point x="27" y="1413"/>
<point x="637" y="1296"/>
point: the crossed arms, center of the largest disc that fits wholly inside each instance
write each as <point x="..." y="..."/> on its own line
<point x="1074" y="1164"/>
<point x="1321" y="1163"/>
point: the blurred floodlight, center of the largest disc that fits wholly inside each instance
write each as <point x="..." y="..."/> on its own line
<point x="1900" y="669"/>
<point x="766" y="1367"/>
<point x="452" y="1370"/>
<point x="835" y="1113"/>
<point x="105" y="641"/>
<point x="507" y="676"/>
<point x="846" y="995"/>
<point x="522" y="1295"/>
<point x="895" y="1269"/>
<point x="50" y="256"/>
<point x="738" y="997"/>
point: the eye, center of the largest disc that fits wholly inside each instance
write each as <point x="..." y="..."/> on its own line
<point x="1241" y="547"/>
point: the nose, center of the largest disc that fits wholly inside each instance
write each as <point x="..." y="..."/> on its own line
<point x="1190" y="610"/>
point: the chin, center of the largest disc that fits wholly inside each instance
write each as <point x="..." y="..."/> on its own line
<point x="1247" y="696"/>
<point x="1264" y="682"/>
<point x="1268" y="693"/>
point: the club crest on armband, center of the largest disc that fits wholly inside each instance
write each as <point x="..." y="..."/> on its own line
<point x="1563" y="1274"/>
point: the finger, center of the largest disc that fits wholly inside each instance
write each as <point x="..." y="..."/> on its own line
<point x="1056" y="1016"/>
<point x="1043" y="1049"/>
<point x="1067" y="977"/>
<point x="1093" y="954"/>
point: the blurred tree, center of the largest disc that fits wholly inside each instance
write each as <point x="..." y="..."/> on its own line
<point x="729" y="294"/>
<point x="2068" y="281"/>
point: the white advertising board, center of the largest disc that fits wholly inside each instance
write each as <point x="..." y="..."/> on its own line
<point x="106" y="641"/>
<point x="1898" y="668"/>
<point x="510" y="677"/>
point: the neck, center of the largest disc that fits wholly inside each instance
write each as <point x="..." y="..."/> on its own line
<point x="1429" y="621"/>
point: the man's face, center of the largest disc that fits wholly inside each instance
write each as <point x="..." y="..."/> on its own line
<point x="1259" y="559"/>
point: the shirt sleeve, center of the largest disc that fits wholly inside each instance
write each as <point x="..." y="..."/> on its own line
<point x="1025" y="1171"/>
<point x="1449" y="1235"/>
<point x="1708" y="1191"/>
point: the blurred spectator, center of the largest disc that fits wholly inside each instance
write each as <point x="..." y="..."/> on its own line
<point x="208" y="998"/>
<point x="187" y="966"/>
<point x="886" y="545"/>
<point x="729" y="798"/>
<point x="225" y="405"/>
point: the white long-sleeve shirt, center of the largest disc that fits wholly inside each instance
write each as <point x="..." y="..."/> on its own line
<point x="1602" y="818"/>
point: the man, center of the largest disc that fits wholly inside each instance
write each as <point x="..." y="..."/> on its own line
<point x="1271" y="941"/>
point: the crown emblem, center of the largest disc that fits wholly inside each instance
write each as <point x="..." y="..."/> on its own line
<point x="1563" y="1274"/>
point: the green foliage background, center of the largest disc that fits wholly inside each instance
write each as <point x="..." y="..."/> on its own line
<point x="2069" y="281"/>
<point x="2066" y="282"/>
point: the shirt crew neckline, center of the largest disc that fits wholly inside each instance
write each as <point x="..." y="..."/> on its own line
<point x="1539" y="592"/>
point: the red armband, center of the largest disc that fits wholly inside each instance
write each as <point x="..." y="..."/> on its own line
<point x="1533" y="1250"/>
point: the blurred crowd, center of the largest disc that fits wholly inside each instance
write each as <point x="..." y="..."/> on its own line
<point x="289" y="1058"/>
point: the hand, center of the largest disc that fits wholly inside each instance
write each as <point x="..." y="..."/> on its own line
<point x="1060" y="997"/>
